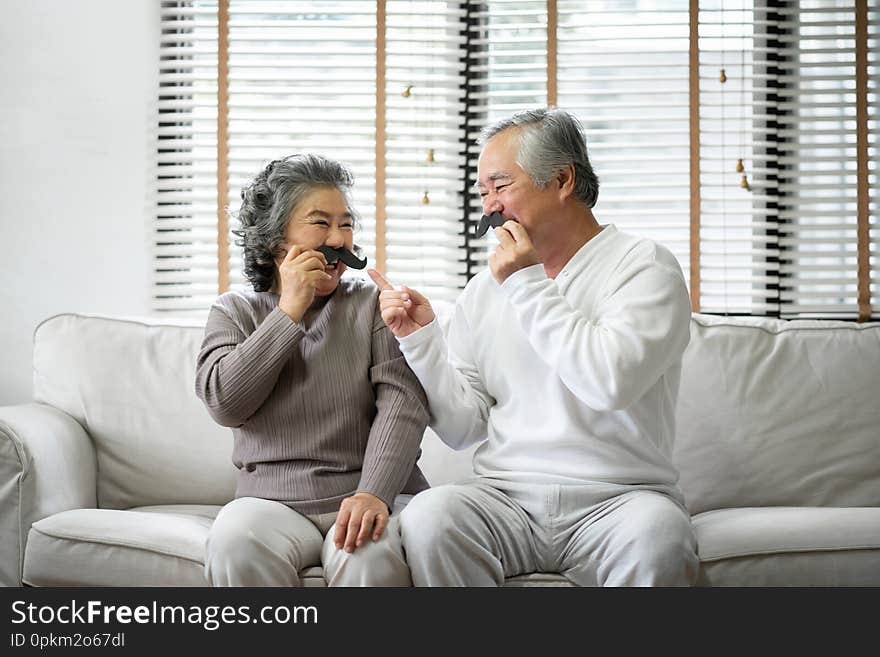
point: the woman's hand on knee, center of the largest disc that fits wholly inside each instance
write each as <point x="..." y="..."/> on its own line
<point x="359" y="516"/>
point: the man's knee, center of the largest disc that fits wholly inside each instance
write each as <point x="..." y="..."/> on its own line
<point x="664" y="544"/>
<point x="431" y="515"/>
<point x="671" y="560"/>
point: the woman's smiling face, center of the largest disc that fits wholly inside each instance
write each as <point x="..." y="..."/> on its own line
<point x="322" y="217"/>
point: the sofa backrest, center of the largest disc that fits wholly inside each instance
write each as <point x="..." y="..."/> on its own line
<point x="770" y="412"/>
<point x="779" y="413"/>
<point x="130" y="383"/>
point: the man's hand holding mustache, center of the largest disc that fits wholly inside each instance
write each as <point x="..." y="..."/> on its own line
<point x="515" y="251"/>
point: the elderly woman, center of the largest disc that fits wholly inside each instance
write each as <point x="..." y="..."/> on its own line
<point x="326" y="414"/>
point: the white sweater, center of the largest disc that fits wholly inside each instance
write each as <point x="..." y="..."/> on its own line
<point x="572" y="380"/>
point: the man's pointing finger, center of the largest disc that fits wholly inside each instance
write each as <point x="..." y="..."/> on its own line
<point x="379" y="280"/>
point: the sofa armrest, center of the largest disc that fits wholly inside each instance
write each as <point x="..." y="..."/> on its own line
<point x="47" y="465"/>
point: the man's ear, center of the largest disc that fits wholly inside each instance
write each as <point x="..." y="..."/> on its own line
<point x="565" y="178"/>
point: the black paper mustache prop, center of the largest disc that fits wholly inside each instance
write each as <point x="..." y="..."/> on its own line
<point x="343" y="254"/>
<point x="494" y="220"/>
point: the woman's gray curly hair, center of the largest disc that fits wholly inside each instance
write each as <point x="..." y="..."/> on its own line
<point x="268" y="200"/>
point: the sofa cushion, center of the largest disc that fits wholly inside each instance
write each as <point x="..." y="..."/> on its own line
<point x="788" y="546"/>
<point x="130" y="384"/>
<point x="160" y="546"/>
<point x="144" y="546"/>
<point x="779" y="413"/>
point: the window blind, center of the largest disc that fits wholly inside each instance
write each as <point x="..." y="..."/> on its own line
<point x="623" y="71"/>
<point x="302" y="78"/>
<point x="507" y="72"/>
<point x="424" y="151"/>
<point x="812" y="72"/>
<point x="185" y="230"/>
<point x="873" y="154"/>
<point x="737" y="243"/>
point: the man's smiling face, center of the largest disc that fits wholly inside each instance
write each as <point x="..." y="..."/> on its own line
<point x="506" y="188"/>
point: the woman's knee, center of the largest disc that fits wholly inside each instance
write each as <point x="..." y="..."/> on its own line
<point x="375" y="563"/>
<point x="254" y="543"/>
<point x="230" y="533"/>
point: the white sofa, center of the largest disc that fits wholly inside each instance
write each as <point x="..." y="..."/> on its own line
<point x="113" y="475"/>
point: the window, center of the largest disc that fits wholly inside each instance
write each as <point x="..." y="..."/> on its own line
<point x="399" y="91"/>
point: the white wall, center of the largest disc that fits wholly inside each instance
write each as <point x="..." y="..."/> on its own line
<point x="77" y="104"/>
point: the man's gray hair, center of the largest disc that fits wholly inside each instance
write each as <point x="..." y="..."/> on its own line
<point x="550" y="140"/>
<point x="268" y="200"/>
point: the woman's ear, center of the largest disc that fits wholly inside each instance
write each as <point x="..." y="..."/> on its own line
<point x="280" y="255"/>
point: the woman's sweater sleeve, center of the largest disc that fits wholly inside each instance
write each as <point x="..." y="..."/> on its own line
<point x="400" y="421"/>
<point x="235" y="372"/>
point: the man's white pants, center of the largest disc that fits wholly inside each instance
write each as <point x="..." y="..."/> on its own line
<point x="257" y="542"/>
<point x="483" y="530"/>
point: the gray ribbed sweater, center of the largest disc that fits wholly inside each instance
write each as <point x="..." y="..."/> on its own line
<point x="320" y="409"/>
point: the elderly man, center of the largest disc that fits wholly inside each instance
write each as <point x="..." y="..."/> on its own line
<point x="564" y="361"/>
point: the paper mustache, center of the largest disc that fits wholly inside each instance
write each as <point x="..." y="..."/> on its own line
<point x="494" y="220"/>
<point x="343" y="254"/>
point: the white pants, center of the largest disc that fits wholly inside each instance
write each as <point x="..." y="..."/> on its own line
<point x="257" y="542"/>
<point x="483" y="530"/>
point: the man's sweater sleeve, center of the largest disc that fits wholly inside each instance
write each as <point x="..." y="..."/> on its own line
<point x="457" y="397"/>
<point x="610" y="358"/>
<point x="400" y="421"/>
<point x="235" y="373"/>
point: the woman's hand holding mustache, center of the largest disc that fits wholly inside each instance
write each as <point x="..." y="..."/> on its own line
<point x="300" y="271"/>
